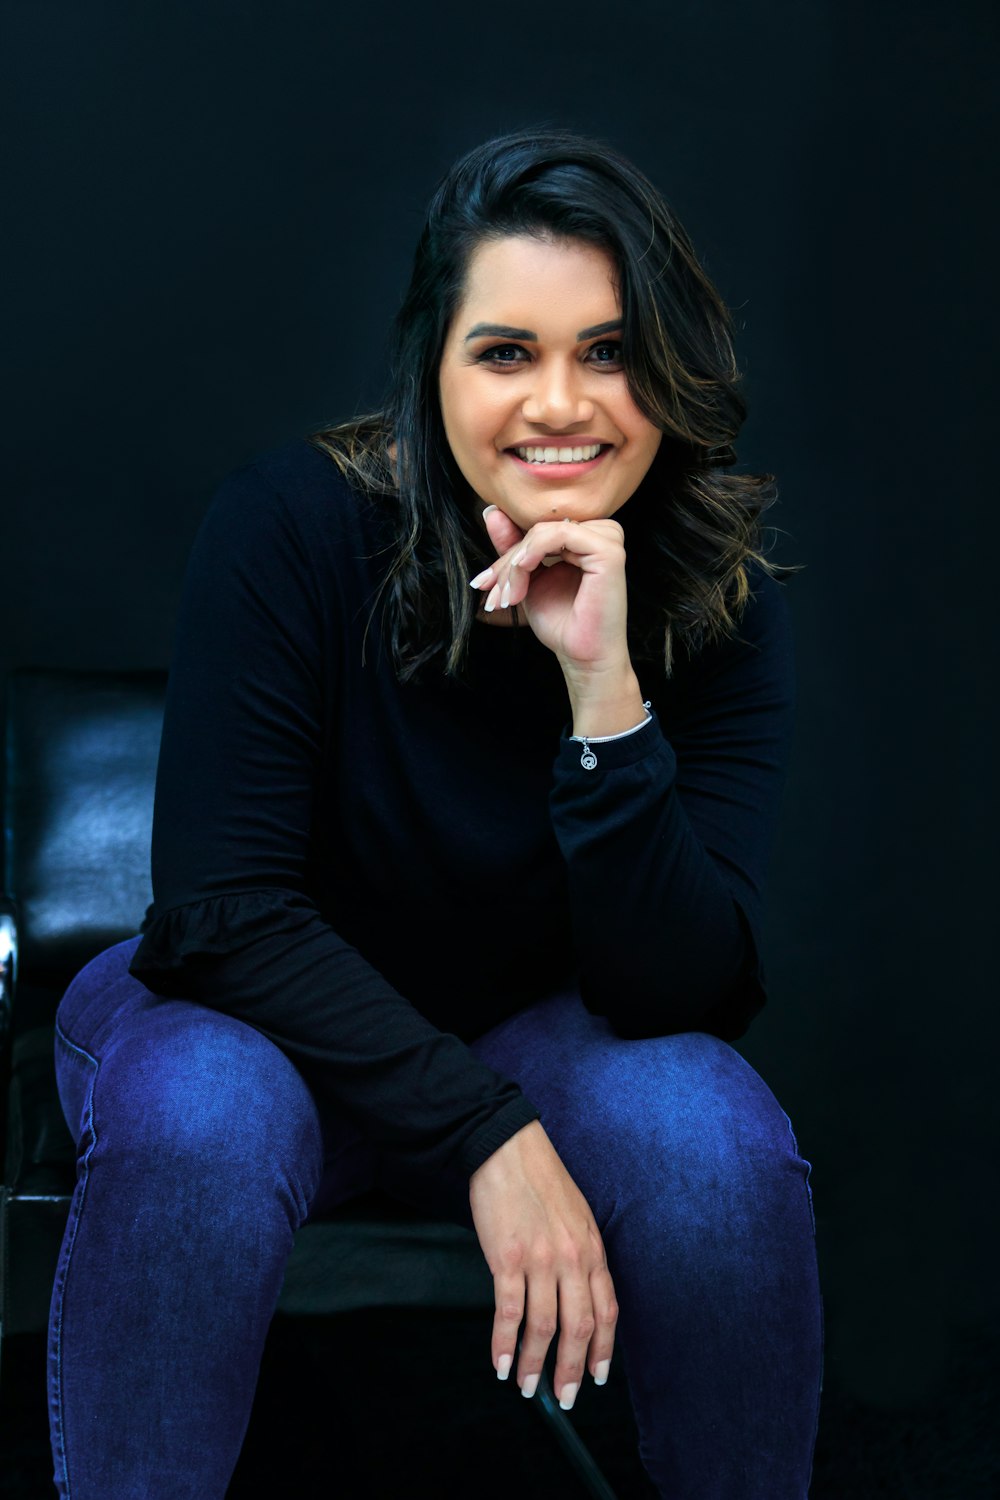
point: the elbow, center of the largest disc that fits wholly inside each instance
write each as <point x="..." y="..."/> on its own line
<point x="662" y="1013"/>
<point x="719" y="989"/>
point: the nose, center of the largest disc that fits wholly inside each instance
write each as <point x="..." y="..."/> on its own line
<point x="555" y="399"/>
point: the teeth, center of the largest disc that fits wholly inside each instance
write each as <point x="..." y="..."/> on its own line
<point x="558" y="455"/>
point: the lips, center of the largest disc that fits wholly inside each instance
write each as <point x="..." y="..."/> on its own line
<point x="557" y="440"/>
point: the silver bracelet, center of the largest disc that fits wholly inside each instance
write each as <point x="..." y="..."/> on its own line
<point x="588" y="759"/>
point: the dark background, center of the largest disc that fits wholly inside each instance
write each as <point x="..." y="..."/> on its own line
<point x="211" y="214"/>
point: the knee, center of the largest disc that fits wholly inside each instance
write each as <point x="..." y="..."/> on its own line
<point x="204" y="1095"/>
<point x="688" y="1114"/>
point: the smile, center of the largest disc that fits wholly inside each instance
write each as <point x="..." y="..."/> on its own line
<point x="560" y="463"/>
<point x="558" y="455"/>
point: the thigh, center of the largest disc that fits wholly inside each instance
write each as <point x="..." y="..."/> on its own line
<point x="143" y="1074"/>
<point x="681" y="1119"/>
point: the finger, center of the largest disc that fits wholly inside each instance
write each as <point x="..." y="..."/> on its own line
<point x="602" y="1345"/>
<point x="579" y="543"/>
<point x="508" y="1292"/>
<point x="539" y="1330"/>
<point x="569" y="541"/>
<point x="506" y="585"/>
<point x="577" y="1324"/>
<point x="513" y="588"/>
<point x="503" y="532"/>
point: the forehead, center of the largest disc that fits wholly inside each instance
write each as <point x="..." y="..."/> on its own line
<point x="554" y="278"/>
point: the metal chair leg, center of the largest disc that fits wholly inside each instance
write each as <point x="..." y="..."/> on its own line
<point x="570" y="1442"/>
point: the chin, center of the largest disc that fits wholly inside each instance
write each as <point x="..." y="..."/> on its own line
<point x="570" y="508"/>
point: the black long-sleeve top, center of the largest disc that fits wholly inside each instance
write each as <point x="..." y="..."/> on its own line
<point x="373" y="874"/>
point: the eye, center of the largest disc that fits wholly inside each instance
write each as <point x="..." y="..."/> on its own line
<point x="606" y="353"/>
<point x="506" y="355"/>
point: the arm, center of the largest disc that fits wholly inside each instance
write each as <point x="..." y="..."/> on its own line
<point x="234" y="924"/>
<point x="666" y="838"/>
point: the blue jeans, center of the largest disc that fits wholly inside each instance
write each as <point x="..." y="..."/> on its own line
<point x="201" y="1151"/>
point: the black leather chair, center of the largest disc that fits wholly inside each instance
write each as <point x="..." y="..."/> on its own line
<point x="78" y="800"/>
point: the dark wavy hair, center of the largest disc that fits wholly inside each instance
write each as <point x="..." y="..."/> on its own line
<point x="690" y="527"/>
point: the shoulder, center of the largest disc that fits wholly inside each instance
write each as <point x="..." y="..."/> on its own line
<point x="758" y="656"/>
<point x="766" y="622"/>
<point x="286" y="531"/>
<point x="294" y="485"/>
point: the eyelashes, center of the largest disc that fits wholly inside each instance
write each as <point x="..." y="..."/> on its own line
<point x="493" y="356"/>
<point x="614" y="348"/>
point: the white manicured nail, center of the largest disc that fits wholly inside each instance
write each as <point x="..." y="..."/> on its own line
<point x="602" y="1371"/>
<point x="529" y="1385"/>
<point x="503" y="1366"/>
<point x="491" y="599"/>
<point x="480" y="578"/>
<point x="568" y="1396"/>
<point x="505" y="595"/>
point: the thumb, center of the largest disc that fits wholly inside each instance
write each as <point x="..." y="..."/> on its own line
<point x="503" y="532"/>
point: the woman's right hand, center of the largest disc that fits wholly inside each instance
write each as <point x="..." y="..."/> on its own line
<point x="547" y="1258"/>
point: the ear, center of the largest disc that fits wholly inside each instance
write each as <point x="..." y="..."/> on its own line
<point x="503" y="532"/>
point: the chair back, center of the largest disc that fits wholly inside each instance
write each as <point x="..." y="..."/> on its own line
<point x="81" y="759"/>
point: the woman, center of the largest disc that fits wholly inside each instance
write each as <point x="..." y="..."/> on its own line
<point x="458" y="890"/>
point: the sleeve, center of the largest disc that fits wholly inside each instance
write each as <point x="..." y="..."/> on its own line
<point x="233" y="924"/>
<point x="667" y="841"/>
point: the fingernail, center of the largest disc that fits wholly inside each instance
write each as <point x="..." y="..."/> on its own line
<point x="516" y="562"/>
<point x="503" y="1366"/>
<point x="487" y="510"/>
<point x="529" y="1385"/>
<point x="505" y="595"/>
<point x="568" y="1396"/>
<point x="602" y="1371"/>
<point x="480" y="578"/>
<point x="491" y="599"/>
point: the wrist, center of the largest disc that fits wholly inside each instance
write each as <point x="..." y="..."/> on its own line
<point x="605" y="702"/>
<point x="530" y="1139"/>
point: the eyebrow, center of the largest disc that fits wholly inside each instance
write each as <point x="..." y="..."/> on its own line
<point x="502" y="331"/>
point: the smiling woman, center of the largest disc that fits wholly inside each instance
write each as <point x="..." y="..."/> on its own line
<point x="536" y="249"/>
<point x="474" y="917"/>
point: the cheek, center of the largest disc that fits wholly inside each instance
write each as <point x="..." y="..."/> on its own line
<point x="459" y="409"/>
<point x="649" y="440"/>
<point x="479" y="420"/>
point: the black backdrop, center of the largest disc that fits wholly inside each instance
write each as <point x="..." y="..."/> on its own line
<point x="211" y="210"/>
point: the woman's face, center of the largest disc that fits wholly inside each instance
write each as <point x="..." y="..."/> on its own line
<point x="531" y="374"/>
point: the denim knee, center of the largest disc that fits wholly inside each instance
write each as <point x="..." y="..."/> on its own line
<point x="215" y="1096"/>
<point x="173" y="1089"/>
<point x="686" y="1115"/>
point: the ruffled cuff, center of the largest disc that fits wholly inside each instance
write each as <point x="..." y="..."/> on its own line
<point x="178" y="942"/>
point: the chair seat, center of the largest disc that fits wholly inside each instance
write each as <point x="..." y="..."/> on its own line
<point x="364" y="1256"/>
<point x="41" y="1156"/>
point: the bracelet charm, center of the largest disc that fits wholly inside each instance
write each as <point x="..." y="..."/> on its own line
<point x="588" y="759"/>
